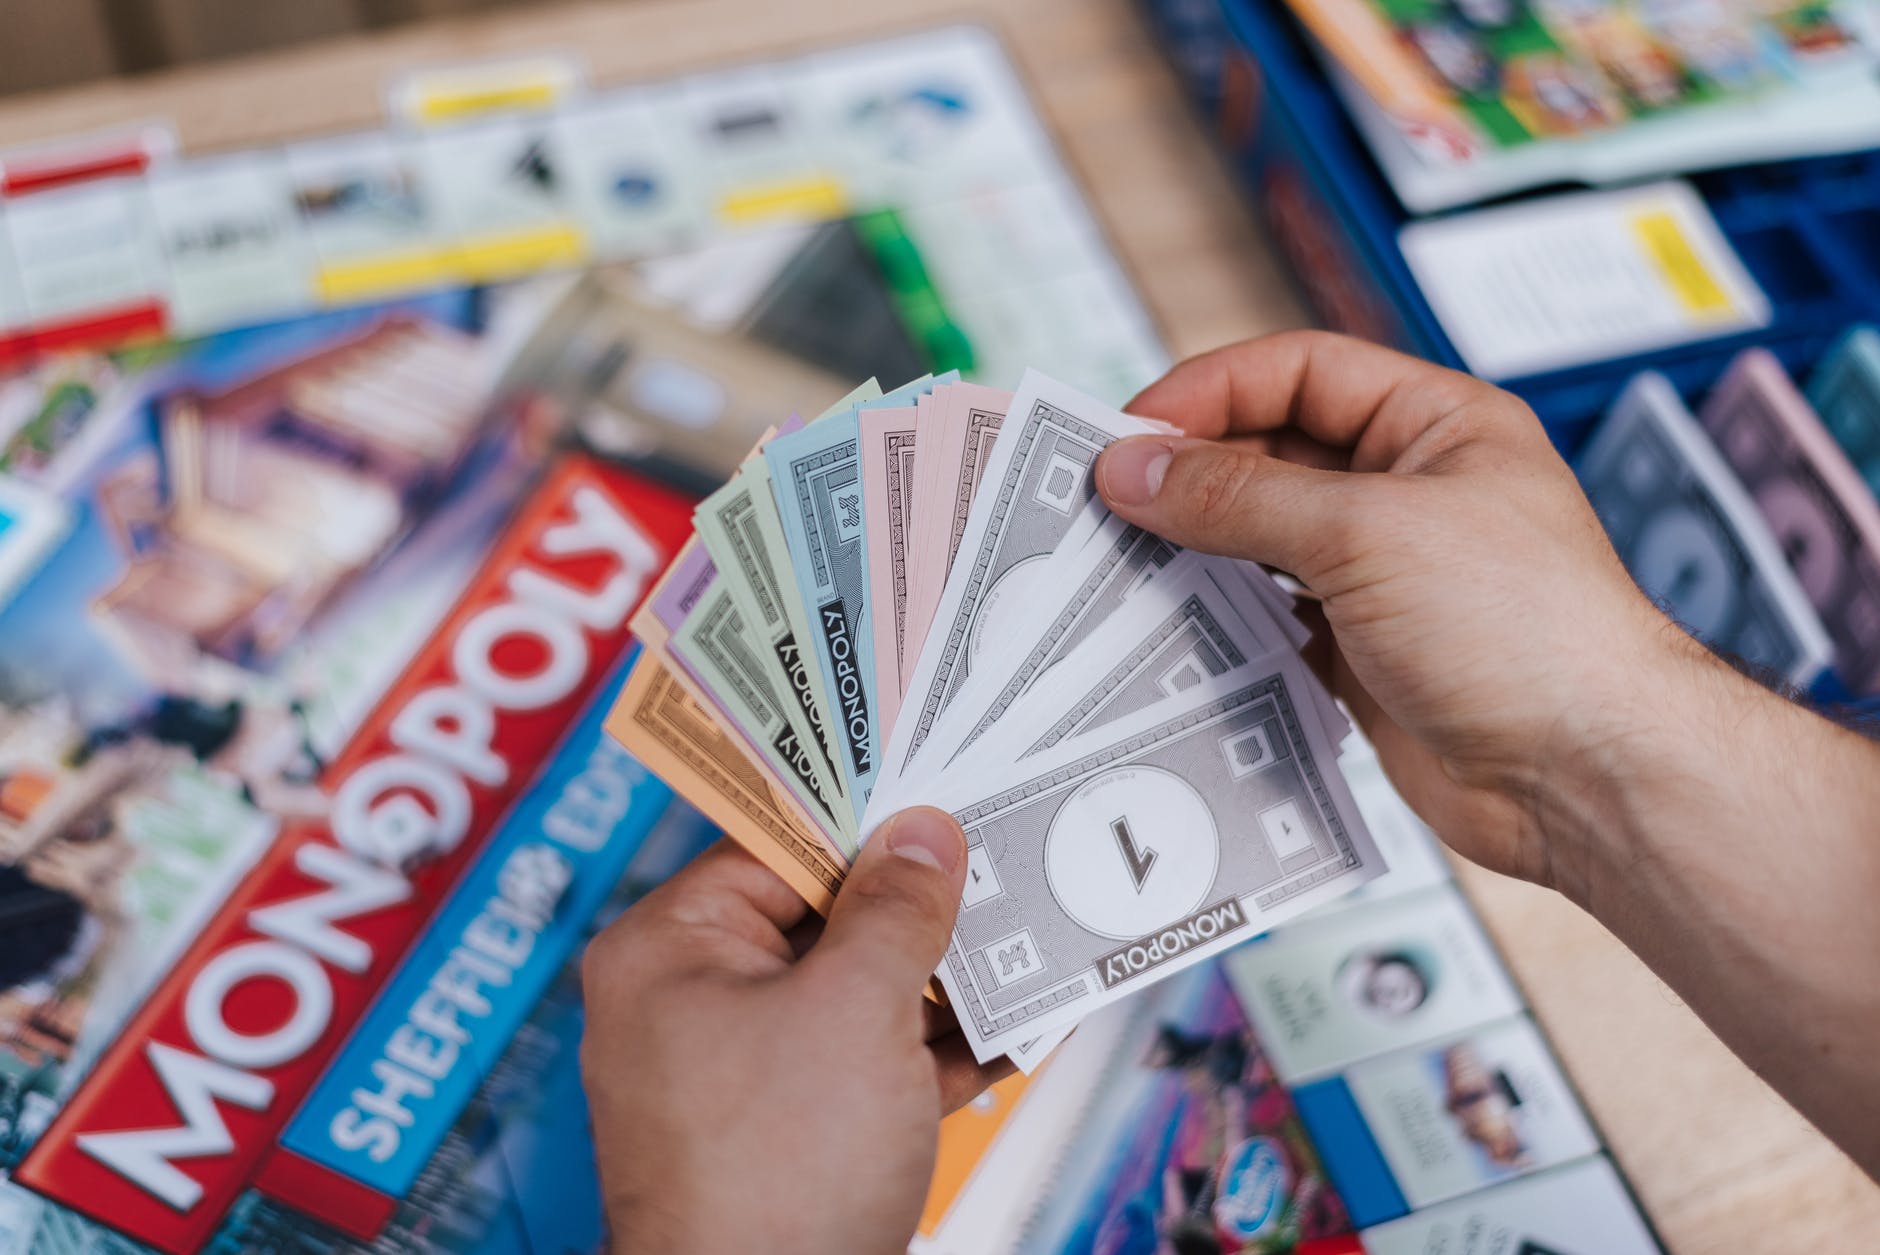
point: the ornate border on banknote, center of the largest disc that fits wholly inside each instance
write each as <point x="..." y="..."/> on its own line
<point x="738" y="514"/>
<point x="982" y="431"/>
<point x="1073" y="773"/>
<point x="801" y="471"/>
<point x="1190" y="612"/>
<point x="1026" y="432"/>
<point x="900" y="447"/>
<point x="669" y="715"/>
<point x="1133" y="550"/>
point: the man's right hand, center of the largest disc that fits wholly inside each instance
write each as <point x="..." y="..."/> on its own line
<point x="1530" y="703"/>
<point x="1487" y="637"/>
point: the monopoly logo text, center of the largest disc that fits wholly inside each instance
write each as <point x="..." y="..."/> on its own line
<point x="171" y="1124"/>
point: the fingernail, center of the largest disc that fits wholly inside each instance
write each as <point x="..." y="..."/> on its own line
<point x="1133" y="469"/>
<point x="926" y="836"/>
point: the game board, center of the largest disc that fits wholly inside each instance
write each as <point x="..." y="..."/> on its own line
<point x="285" y="959"/>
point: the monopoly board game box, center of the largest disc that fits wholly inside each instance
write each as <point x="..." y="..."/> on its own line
<point x="330" y="475"/>
<point x="306" y="799"/>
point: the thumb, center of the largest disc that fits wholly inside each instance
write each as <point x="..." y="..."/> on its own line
<point x="1229" y="501"/>
<point x="893" y="917"/>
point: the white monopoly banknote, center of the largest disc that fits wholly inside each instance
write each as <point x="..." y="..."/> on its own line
<point x="1123" y="855"/>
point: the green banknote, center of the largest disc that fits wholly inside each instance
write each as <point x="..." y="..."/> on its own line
<point x="739" y="526"/>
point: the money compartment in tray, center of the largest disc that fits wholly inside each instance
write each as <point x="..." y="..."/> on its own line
<point x="1807" y="231"/>
<point x="1583" y="406"/>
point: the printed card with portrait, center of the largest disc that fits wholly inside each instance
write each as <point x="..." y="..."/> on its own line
<point x="1330" y="992"/>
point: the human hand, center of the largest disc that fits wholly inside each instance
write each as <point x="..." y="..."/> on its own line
<point x="1530" y="703"/>
<point x="759" y="1080"/>
<point x="1486" y="636"/>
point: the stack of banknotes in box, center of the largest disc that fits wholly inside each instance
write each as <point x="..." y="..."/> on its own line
<point x="1754" y="521"/>
<point x="919" y="599"/>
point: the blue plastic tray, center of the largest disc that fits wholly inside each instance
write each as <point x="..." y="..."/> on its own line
<point x="1809" y="231"/>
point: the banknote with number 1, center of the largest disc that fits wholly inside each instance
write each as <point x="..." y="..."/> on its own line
<point x="1196" y="619"/>
<point x="1123" y="855"/>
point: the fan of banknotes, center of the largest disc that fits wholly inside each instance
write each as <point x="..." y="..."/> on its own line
<point x="918" y="599"/>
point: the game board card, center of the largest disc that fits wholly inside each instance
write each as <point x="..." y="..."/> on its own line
<point x="1332" y="991"/>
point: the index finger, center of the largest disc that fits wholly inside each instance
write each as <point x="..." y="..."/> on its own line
<point x="1336" y="391"/>
<point x="728" y="888"/>
<point x="724" y="911"/>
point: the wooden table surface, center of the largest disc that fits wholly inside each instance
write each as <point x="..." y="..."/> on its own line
<point x="1722" y="1164"/>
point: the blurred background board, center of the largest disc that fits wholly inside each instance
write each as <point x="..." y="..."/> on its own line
<point x="55" y="45"/>
<point x="1106" y="94"/>
<point x="1718" y="1161"/>
<point x="76" y="42"/>
<point x="1742" y="272"/>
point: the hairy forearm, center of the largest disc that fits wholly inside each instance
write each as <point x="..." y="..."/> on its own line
<point x="1732" y="839"/>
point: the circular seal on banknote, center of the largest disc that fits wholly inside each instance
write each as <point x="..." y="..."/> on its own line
<point x="1131" y="851"/>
